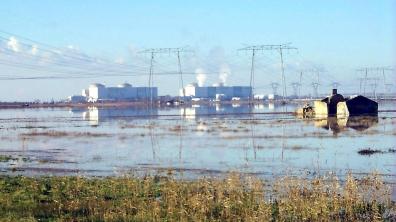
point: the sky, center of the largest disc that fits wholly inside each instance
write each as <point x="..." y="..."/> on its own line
<point x="63" y="37"/>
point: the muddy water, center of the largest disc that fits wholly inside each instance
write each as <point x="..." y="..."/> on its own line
<point x="265" y="140"/>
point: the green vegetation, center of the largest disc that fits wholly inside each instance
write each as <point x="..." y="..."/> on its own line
<point x="4" y="158"/>
<point x="7" y="158"/>
<point x="155" y="198"/>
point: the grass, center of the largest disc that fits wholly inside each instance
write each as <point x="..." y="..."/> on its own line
<point x="156" y="198"/>
<point x="53" y="133"/>
<point x="369" y="151"/>
<point x="5" y="158"/>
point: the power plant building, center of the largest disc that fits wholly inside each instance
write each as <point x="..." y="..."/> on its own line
<point x="123" y="92"/>
<point x="193" y="90"/>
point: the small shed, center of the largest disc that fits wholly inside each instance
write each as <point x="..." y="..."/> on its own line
<point x="357" y="106"/>
<point x="328" y="105"/>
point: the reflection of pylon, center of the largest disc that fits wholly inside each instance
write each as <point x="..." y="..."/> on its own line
<point x="315" y="86"/>
<point x="274" y="86"/>
<point x="296" y="88"/>
<point x="361" y="80"/>
<point x="374" y="86"/>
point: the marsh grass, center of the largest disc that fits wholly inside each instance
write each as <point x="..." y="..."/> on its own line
<point x="156" y="198"/>
<point x="54" y="133"/>
<point x="370" y="151"/>
<point x="6" y="158"/>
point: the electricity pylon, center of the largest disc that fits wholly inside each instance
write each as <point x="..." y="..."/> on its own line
<point x="169" y="51"/>
<point x="316" y="81"/>
<point x="296" y="88"/>
<point x="315" y="86"/>
<point x="274" y="86"/>
<point x="367" y="72"/>
<point x="280" y="48"/>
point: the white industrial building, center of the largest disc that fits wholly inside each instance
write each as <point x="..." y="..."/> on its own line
<point x="193" y="90"/>
<point x="123" y="92"/>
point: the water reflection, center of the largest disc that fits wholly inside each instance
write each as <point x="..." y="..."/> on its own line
<point x="95" y="115"/>
<point x="361" y="123"/>
<point x="337" y="125"/>
<point x="197" y="111"/>
<point x="271" y="106"/>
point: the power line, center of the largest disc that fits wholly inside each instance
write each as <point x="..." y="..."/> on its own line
<point x="367" y="71"/>
<point x="154" y="51"/>
<point x="296" y="88"/>
<point x="71" y="54"/>
<point x="274" y="86"/>
<point x="280" y="48"/>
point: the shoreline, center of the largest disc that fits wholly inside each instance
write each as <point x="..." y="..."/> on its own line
<point x="124" y="104"/>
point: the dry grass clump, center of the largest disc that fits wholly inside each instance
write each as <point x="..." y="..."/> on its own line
<point x="54" y="133"/>
<point x="369" y="151"/>
<point x="155" y="198"/>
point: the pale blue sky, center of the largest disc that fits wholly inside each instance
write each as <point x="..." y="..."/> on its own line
<point x="337" y="35"/>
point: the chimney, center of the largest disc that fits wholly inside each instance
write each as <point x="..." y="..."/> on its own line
<point x="334" y="92"/>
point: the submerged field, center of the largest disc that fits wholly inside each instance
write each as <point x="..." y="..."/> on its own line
<point x="163" y="198"/>
<point x="266" y="140"/>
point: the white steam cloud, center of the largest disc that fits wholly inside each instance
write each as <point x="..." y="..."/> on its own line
<point x="201" y="76"/>
<point x="34" y="50"/>
<point x="119" y="60"/>
<point x="224" y="72"/>
<point x="13" y="44"/>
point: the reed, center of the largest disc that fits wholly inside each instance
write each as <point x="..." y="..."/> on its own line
<point x="164" y="198"/>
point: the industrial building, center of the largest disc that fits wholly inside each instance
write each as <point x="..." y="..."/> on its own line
<point x="123" y="92"/>
<point x="218" y="91"/>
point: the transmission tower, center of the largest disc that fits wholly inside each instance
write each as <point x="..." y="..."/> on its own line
<point x="361" y="80"/>
<point x="280" y="48"/>
<point x="274" y="86"/>
<point x="373" y="83"/>
<point x="316" y="72"/>
<point x="296" y="88"/>
<point x="384" y="78"/>
<point x="316" y="83"/>
<point x="299" y="88"/>
<point x="168" y="51"/>
<point x="315" y="86"/>
<point x="367" y="71"/>
<point x="388" y="88"/>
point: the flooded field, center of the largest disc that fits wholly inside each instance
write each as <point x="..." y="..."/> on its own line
<point x="264" y="140"/>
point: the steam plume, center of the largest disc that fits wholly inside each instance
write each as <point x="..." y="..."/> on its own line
<point x="224" y="72"/>
<point x="13" y="44"/>
<point x="201" y="76"/>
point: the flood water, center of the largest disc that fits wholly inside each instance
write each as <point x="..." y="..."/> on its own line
<point x="266" y="140"/>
